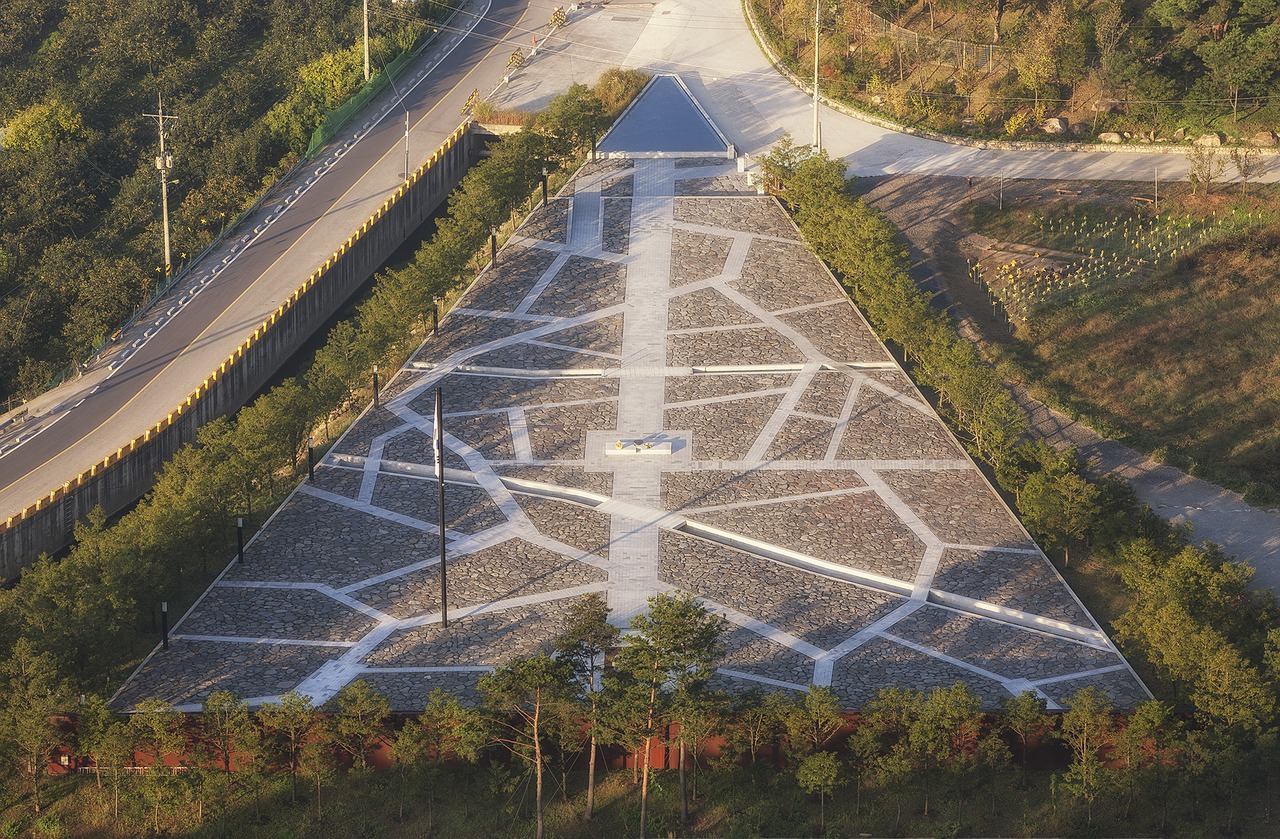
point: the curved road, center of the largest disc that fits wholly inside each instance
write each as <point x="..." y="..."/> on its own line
<point x="255" y="272"/>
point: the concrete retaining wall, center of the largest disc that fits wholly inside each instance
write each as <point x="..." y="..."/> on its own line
<point x="123" y="477"/>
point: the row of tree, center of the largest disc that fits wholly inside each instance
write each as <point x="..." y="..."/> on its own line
<point x="647" y="692"/>
<point x="79" y="202"/>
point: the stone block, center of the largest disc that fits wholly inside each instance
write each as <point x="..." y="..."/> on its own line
<point x="1054" y="125"/>
<point x="1263" y="138"/>
<point x="1211" y="140"/>
<point x="1110" y="137"/>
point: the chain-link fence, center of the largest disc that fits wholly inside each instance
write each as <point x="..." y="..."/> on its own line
<point x="987" y="58"/>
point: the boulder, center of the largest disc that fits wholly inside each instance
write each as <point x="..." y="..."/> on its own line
<point x="877" y="99"/>
<point x="1180" y="135"/>
<point x="1054" y="125"/>
<point x="1263" y="138"/>
<point x="1110" y="137"/>
<point x="1213" y="140"/>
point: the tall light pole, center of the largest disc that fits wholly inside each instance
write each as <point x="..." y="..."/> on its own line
<point x="164" y="164"/>
<point x="366" y="40"/>
<point x="406" y="145"/>
<point x="817" y="29"/>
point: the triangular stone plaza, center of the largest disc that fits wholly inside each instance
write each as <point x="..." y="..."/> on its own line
<point x="656" y="388"/>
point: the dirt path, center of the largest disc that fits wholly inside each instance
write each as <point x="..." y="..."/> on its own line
<point x="926" y="209"/>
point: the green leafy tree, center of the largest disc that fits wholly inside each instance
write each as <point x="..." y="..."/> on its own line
<point x="33" y="695"/>
<point x="819" y="772"/>
<point x="1025" y="717"/>
<point x="809" y="721"/>
<point x="670" y="654"/>
<point x="358" y="720"/>
<point x="228" y="728"/>
<point x="289" y="722"/>
<point x="1087" y="728"/>
<point x="526" y="698"/>
<point x="588" y="637"/>
<point x="574" y="119"/>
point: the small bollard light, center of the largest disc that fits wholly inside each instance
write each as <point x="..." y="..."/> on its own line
<point x="164" y="623"/>
<point x="375" y="386"/>
<point x="311" y="461"/>
<point x="544" y="186"/>
<point x="240" y="540"/>
<point x="493" y="245"/>
<point x="435" y="317"/>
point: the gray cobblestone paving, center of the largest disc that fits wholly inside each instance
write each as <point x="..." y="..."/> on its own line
<point x="488" y="434"/>
<point x="760" y="215"/>
<point x="495" y="393"/>
<point x="826" y="395"/>
<point x="189" y="671"/>
<point x="896" y="380"/>
<point x="461" y="332"/>
<point x="1019" y="581"/>
<point x="696" y="256"/>
<point x="560" y="433"/>
<point x="685" y="490"/>
<point x="881" y="426"/>
<point x="403" y="380"/>
<point x="724" y="430"/>
<point x="549" y="223"/>
<point x="276" y="613"/>
<point x="618" y="186"/>
<point x="616" y="231"/>
<point x="881" y="663"/>
<point x="822" y="611"/>
<point x="414" y="446"/>
<point x="584" y="529"/>
<point x="502" y="288"/>
<point x="602" y="335"/>
<point x="730" y="183"/>
<point x="780" y="275"/>
<point x="801" y="438"/>
<point x="997" y="647"/>
<point x="690" y="388"/>
<point x="347" y="548"/>
<point x="375" y="421"/>
<point x="701" y="162"/>
<point x="490" y="638"/>
<point x="747" y="652"/>
<point x="466" y="509"/>
<point x="854" y="530"/>
<point x="1119" y="686"/>
<point x="514" y="568"/>
<point x="536" y="357"/>
<point x="605" y="166"/>
<point x="959" y="507"/>
<point x="600" y="483"/>
<point x="739" y="346"/>
<point x="583" y="285"/>
<point x="408" y="692"/>
<point x="705" y="308"/>
<point x="837" y="332"/>
<point x="344" y="482"/>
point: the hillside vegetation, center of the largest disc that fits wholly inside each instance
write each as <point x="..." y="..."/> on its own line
<point x="80" y="238"/>
<point x="999" y="68"/>
<point x="1161" y="329"/>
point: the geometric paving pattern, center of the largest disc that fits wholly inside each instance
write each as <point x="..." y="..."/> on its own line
<point x="774" y="461"/>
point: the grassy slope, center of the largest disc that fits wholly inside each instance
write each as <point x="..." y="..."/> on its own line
<point x="1184" y="363"/>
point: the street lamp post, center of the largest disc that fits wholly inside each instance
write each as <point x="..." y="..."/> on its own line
<point x="817" y="32"/>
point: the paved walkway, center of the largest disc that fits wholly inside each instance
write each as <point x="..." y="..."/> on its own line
<point x="657" y="387"/>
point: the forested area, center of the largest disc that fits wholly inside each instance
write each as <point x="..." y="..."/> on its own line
<point x="1147" y="70"/>
<point x="80" y="237"/>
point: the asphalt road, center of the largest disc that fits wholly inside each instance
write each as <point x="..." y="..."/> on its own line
<point x="83" y="423"/>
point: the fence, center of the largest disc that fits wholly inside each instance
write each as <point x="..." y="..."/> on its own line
<point x="989" y="58"/>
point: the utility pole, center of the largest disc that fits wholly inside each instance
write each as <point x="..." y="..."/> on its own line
<point x="817" y="130"/>
<point x="164" y="163"/>
<point x="366" y="40"/>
